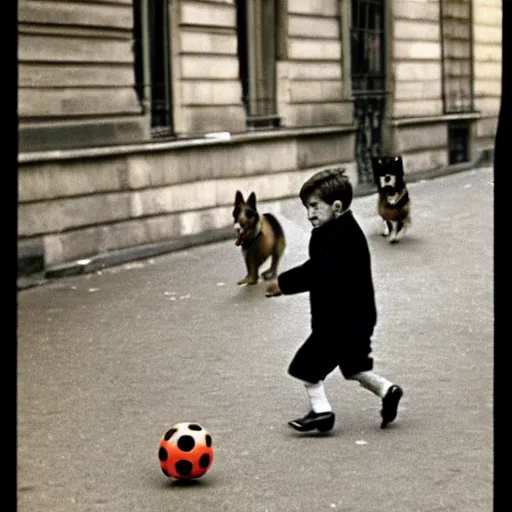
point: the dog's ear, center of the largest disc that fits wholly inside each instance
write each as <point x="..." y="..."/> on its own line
<point x="251" y="201"/>
<point x="398" y="166"/>
<point x="239" y="198"/>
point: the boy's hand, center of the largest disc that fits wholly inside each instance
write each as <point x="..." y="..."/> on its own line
<point x="273" y="290"/>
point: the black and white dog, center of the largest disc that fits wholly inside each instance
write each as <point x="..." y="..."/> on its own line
<point x="394" y="205"/>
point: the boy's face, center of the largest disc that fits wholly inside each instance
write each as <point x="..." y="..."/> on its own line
<point x="320" y="212"/>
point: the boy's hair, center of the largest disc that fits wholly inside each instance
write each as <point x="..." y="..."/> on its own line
<point x="330" y="185"/>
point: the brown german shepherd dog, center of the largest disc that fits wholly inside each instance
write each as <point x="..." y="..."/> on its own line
<point x="261" y="237"/>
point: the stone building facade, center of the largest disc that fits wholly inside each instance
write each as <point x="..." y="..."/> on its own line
<point x="139" y="119"/>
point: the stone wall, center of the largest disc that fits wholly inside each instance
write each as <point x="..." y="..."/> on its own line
<point x="310" y="78"/>
<point x="417" y="125"/>
<point x="75" y="74"/>
<point x="76" y="87"/>
<point x="79" y="204"/>
<point x="206" y="88"/>
<point x="416" y="64"/>
<point x="487" y="33"/>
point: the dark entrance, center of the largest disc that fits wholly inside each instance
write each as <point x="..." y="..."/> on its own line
<point x="257" y="35"/>
<point x="161" y="119"/>
<point x="368" y="81"/>
<point x="157" y="41"/>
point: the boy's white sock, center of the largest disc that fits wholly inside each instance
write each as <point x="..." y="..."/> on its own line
<point x="317" y="397"/>
<point x="375" y="383"/>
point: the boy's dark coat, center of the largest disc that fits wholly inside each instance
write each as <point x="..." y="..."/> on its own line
<point x="339" y="278"/>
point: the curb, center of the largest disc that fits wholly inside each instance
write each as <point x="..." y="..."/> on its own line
<point x="114" y="258"/>
<point x="111" y="259"/>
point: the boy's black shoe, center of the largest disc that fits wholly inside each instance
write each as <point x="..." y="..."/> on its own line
<point x="322" y="421"/>
<point x="390" y="405"/>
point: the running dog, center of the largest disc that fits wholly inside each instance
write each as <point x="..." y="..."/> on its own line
<point x="260" y="236"/>
<point x="394" y="205"/>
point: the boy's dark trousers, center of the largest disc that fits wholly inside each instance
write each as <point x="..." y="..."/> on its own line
<point x="321" y="353"/>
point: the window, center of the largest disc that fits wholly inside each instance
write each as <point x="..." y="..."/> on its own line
<point x="257" y="32"/>
<point x="367" y="45"/>
<point x="151" y="54"/>
<point x="458" y="142"/>
<point x="368" y="81"/>
<point x="457" y="47"/>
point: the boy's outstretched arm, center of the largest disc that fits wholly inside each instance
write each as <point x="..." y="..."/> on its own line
<point x="295" y="280"/>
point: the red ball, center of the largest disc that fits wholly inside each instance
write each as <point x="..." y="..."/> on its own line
<point x="185" y="451"/>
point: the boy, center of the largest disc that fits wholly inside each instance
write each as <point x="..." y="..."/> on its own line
<point x="338" y="277"/>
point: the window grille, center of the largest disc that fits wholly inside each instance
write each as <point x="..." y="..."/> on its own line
<point x="457" y="53"/>
<point x="368" y="81"/>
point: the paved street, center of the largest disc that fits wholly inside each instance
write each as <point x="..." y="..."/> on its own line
<point x="107" y="362"/>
